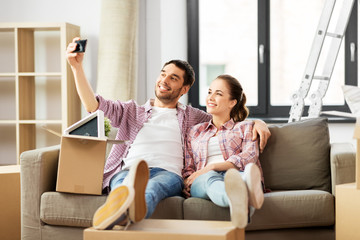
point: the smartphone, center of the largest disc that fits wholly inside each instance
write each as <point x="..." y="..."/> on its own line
<point x="81" y="45"/>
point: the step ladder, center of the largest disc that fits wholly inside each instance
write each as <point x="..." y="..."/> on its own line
<point x="322" y="33"/>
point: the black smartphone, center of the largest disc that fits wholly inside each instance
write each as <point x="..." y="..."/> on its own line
<point x="81" y="45"/>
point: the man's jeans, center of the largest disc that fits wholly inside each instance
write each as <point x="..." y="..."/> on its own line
<point x="162" y="184"/>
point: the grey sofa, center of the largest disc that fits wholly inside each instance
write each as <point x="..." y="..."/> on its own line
<point x="300" y="168"/>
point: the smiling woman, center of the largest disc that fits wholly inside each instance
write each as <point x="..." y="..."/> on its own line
<point x="221" y="160"/>
<point x="226" y="100"/>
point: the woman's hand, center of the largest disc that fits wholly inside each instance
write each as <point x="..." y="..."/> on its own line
<point x="188" y="181"/>
<point x="196" y="174"/>
<point x="260" y="128"/>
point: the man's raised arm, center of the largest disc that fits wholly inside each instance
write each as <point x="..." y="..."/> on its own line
<point x="83" y="87"/>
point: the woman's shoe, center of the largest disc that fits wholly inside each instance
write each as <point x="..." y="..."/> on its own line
<point x="252" y="177"/>
<point x="237" y="193"/>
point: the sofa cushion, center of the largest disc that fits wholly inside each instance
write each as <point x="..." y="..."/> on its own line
<point x="75" y="210"/>
<point x="66" y="209"/>
<point x="297" y="156"/>
<point x="292" y="209"/>
<point x="282" y="209"/>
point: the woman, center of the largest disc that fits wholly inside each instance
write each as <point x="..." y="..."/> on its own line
<point x="222" y="161"/>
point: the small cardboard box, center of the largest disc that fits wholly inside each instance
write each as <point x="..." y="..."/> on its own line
<point x="10" y="202"/>
<point x="82" y="156"/>
<point x="81" y="165"/>
<point x="347" y="212"/>
<point x="159" y="229"/>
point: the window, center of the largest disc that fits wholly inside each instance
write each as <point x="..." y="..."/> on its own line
<point x="265" y="44"/>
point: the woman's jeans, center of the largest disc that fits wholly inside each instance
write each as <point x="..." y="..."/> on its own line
<point x="162" y="184"/>
<point x="211" y="186"/>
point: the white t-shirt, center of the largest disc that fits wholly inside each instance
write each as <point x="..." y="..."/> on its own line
<point x="214" y="152"/>
<point x="159" y="142"/>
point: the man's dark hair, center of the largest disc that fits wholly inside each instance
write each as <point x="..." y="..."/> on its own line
<point x="189" y="76"/>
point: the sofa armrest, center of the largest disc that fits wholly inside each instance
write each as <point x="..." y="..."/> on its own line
<point x="38" y="175"/>
<point x="342" y="162"/>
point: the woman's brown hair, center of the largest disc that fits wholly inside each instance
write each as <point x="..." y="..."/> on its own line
<point x="239" y="112"/>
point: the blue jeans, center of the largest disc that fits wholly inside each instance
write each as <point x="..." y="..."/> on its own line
<point x="162" y="184"/>
<point x="211" y="186"/>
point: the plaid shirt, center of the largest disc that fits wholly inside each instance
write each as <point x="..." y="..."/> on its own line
<point x="129" y="118"/>
<point x="235" y="140"/>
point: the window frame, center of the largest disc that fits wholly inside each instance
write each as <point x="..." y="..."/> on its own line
<point x="264" y="110"/>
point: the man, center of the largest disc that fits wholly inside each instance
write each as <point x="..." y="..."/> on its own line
<point x="156" y="133"/>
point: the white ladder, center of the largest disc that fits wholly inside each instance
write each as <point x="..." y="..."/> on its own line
<point x="316" y="97"/>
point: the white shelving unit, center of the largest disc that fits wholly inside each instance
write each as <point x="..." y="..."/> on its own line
<point x="36" y="86"/>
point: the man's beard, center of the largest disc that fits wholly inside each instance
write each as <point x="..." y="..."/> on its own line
<point x="169" y="97"/>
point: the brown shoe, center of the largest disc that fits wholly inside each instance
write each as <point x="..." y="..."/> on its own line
<point x="114" y="209"/>
<point x="137" y="179"/>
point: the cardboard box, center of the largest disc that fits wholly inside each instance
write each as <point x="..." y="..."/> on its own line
<point x="347" y="212"/>
<point x="348" y="195"/>
<point x="356" y="136"/>
<point x="160" y="229"/>
<point x="10" y="202"/>
<point x="81" y="165"/>
<point x="357" y="163"/>
<point x="82" y="156"/>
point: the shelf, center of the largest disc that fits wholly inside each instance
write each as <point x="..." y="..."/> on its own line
<point x="7" y="74"/>
<point x="40" y="74"/>
<point x="7" y="122"/>
<point x="8" y="154"/>
<point x="40" y="98"/>
<point x="40" y="121"/>
<point x="38" y="26"/>
<point x="37" y="88"/>
<point x="47" y="47"/>
<point x="7" y="98"/>
<point x="7" y="51"/>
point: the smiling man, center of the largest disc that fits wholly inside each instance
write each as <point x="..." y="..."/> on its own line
<point x="156" y="133"/>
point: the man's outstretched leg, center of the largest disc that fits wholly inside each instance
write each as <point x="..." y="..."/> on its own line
<point x="126" y="201"/>
<point x="137" y="178"/>
<point x="113" y="211"/>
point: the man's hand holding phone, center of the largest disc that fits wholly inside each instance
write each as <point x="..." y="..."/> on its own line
<point x="75" y="52"/>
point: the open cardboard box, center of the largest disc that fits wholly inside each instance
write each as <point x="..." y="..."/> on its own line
<point x="82" y="156"/>
<point x="165" y="229"/>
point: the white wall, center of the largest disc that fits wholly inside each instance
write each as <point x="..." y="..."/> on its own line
<point x="162" y="37"/>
